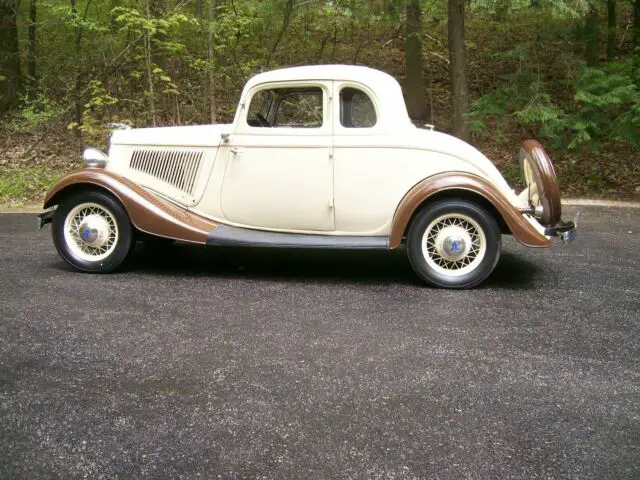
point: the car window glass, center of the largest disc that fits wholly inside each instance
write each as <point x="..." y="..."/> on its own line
<point x="301" y="109"/>
<point x="287" y="107"/>
<point x="259" y="107"/>
<point x="356" y="109"/>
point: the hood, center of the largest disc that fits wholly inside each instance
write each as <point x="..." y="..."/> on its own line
<point x="193" y="136"/>
<point x="450" y="145"/>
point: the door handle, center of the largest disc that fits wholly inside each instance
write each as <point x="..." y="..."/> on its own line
<point x="237" y="151"/>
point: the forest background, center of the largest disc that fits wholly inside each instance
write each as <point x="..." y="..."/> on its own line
<point x="493" y="72"/>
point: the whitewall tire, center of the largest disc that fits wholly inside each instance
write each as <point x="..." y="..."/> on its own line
<point x="454" y="243"/>
<point x="92" y="232"/>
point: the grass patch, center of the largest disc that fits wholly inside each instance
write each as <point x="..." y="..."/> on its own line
<point x="21" y="186"/>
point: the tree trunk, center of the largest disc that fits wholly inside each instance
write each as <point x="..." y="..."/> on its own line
<point x="158" y="10"/>
<point x="148" y="61"/>
<point x="158" y="51"/>
<point x="75" y="96"/>
<point x="636" y="26"/>
<point x="211" y="80"/>
<point x="31" y="60"/>
<point x="611" y="29"/>
<point x="414" y="84"/>
<point x="9" y="54"/>
<point x="591" y="36"/>
<point x="635" y="56"/>
<point x="288" y="11"/>
<point x="457" y="69"/>
<point x="204" y="37"/>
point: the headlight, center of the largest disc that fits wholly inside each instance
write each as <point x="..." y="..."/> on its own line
<point x="94" y="158"/>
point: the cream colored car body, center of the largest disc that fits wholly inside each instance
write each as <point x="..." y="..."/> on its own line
<point x="329" y="180"/>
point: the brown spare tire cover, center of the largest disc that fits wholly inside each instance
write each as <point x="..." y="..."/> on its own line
<point x="537" y="168"/>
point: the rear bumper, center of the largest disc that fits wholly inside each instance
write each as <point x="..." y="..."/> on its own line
<point x="565" y="230"/>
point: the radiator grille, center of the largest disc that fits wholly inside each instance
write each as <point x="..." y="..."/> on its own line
<point x="178" y="168"/>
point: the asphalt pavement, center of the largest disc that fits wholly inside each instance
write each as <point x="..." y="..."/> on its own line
<point x="285" y="364"/>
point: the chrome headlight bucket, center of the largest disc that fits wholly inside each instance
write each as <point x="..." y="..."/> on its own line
<point x="94" y="158"/>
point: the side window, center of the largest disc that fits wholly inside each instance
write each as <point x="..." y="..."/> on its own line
<point x="356" y="109"/>
<point x="287" y="107"/>
<point x="259" y="108"/>
<point x="301" y="109"/>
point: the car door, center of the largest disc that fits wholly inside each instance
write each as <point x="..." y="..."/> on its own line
<point x="279" y="173"/>
<point x="364" y="170"/>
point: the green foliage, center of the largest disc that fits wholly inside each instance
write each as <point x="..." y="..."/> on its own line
<point x="501" y="9"/>
<point x="97" y="113"/>
<point x="34" y="114"/>
<point x="18" y="185"/>
<point x="522" y="99"/>
<point x="605" y="105"/>
<point x="512" y="174"/>
<point x="131" y="53"/>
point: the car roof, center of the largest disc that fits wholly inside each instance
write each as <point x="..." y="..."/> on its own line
<point x="366" y="75"/>
<point x="393" y="111"/>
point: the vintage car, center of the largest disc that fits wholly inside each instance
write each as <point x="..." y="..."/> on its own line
<point x="317" y="157"/>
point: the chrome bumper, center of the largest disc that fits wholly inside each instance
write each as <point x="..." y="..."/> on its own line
<point x="565" y="230"/>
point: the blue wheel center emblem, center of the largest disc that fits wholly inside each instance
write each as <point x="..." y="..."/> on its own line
<point x="455" y="247"/>
<point x="86" y="233"/>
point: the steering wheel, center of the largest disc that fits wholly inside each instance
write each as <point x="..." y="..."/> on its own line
<point x="262" y="121"/>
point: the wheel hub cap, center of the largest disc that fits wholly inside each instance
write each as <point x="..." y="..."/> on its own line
<point x="453" y="243"/>
<point x="453" y="247"/>
<point x="94" y="231"/>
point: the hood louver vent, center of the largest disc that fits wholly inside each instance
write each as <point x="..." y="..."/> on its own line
<point x="178" y="168"/>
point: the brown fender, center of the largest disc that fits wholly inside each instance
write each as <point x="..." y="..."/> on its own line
<point x="147" y="211"/>
<point x="521" y="229"/>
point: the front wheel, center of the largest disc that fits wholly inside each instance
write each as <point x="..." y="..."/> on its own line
<point x="92" y="232"/>
<point x="454" y="244"/>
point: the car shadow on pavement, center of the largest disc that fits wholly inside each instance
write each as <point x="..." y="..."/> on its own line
<point x="354" y="266"/>
<point x="513" y="271"/>
<point x="360" y="266"/>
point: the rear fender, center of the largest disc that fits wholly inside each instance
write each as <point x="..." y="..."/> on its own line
<point x="421" y="193"/>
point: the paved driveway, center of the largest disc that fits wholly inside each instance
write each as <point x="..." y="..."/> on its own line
<point x="225" y="363"/>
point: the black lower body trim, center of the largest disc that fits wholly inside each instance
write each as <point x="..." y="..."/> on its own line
<point x="236" y="236"/>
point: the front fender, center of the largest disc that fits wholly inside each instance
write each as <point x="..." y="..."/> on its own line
<point x="148" y="212"/>
<point x="519" y="226"/>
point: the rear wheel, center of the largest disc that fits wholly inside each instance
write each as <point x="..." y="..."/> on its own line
<point x="92" y="232"/>
<point x="454" y="244"/>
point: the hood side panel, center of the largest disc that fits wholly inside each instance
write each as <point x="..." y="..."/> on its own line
<point x="173" y="161"/>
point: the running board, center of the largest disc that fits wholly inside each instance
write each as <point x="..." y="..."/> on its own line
<point x="245" y="237"/>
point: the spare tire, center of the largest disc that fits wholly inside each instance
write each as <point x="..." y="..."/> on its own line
<point x="541" y="182"/>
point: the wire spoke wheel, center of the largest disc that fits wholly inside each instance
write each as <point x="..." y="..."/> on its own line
<point x="91" y="231"/>
<point x="453" y="244"/>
